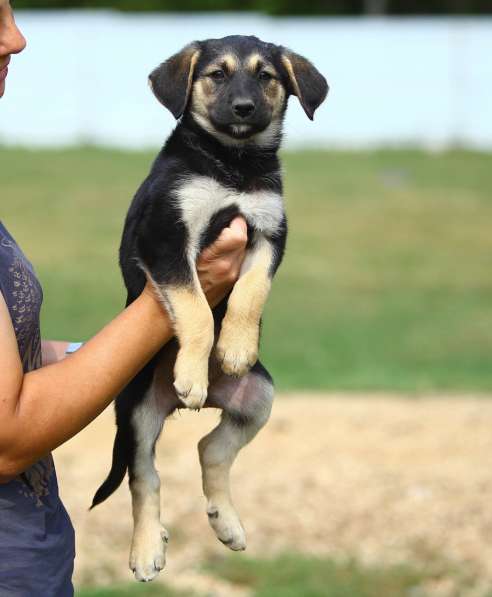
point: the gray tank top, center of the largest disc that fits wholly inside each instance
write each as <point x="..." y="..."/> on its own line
<point x="36" y="536"/>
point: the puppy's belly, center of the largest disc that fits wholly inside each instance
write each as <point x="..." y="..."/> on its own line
<point x="222" y="389"/>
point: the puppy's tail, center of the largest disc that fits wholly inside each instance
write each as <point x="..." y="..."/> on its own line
<point x="118" y="468"/>
<point x="124" y="442"/>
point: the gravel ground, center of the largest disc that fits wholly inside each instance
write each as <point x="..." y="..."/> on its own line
<point x="378" y="477"/>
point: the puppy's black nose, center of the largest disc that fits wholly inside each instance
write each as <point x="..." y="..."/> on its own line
<point x="243" y="108"/>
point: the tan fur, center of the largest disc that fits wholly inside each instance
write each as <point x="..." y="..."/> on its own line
<point x="194" y="327"/>
<point x="150" y="538"/>
<point x="193" y="61"/>
<point x="230" y="61"/>
<point x="149" y="543"/>
<point x="253" y="61"/>
<point x="275" y="96"/>
<point x="237" y="347"/>
<point x="290" y="71"/>
<point x="201" y="97"/>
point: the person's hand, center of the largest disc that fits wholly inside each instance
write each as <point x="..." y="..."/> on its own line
<point x="219" y="264"/>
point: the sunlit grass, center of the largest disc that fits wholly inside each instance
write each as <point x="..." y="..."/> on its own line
<point x="296" y="575"/>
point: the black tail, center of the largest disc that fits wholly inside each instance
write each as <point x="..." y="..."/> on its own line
<point x="124" y="442"/>
<point x="118" y="469"/>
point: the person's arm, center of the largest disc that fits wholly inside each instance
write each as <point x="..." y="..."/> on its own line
<point x="217" y="268"/>
<point x="44" y="408"/>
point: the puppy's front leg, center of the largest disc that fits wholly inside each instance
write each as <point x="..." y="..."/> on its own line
<point x="237" y="348"/>
<point x="194" y="327"/>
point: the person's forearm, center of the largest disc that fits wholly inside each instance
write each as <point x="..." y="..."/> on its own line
<point x="57" y="401"/>
<point x="42" y="409"/>
<point x="53" y="351"/>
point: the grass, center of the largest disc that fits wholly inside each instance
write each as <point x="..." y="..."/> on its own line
<point x="386" y="283"/>
<point x="296" y="575"/>
<point x="154" y="589"/>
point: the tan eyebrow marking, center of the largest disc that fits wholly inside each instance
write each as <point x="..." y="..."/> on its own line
<point x="227" y="63"/>
<point x="230" y="62"/>
<point x="254" y="62"/>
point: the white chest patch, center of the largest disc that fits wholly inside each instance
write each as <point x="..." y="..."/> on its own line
<point x="201" y="197"/>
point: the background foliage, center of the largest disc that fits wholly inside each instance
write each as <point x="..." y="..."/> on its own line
<point x="278" y="7"/>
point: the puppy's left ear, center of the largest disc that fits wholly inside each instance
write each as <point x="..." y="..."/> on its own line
<point x="305" y="81"/>
<point x="171" y="81"/>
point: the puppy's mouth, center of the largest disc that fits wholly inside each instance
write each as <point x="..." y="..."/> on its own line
<point x="241" y="131"/>
<point x="236" y="131"/>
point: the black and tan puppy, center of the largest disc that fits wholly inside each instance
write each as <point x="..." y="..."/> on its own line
<point x="230" y="97"/>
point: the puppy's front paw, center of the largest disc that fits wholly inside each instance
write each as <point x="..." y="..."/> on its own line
<point x="191" y="393"/>
<point x="236" y="361"/>
<point x="148" y="553"/>
<point x="237" y="352"/>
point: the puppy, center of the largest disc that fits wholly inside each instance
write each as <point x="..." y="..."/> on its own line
<point x="230" y="97"/>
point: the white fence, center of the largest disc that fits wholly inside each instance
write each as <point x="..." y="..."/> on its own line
<point x="82" y="78"/>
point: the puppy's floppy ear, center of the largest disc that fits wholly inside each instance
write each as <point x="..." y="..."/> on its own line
<point x="171" y="81"/>
<point x="305" y="81"/>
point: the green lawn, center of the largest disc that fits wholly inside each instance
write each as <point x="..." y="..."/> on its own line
<point x="154" y="589"/>
<point x="296" y="575"/>
<point x="387" y="281"/>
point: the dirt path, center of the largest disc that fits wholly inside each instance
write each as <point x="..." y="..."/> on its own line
<point x="381" y="478"/>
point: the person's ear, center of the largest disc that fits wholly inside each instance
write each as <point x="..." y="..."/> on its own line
<point x="171" y="82"/>
<point x="305" y="81"/>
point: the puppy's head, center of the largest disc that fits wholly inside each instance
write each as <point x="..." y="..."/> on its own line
<point x="236" y="88"/>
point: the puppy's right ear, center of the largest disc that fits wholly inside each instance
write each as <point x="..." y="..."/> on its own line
<point x="171" y="81"/>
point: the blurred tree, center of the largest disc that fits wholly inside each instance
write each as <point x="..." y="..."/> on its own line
<point x="278" y="7"/>
<point x="440" y="6"/>
<point x="376" y="7"/>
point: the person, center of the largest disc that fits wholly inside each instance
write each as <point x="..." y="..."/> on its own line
<point x="47" y="397"/>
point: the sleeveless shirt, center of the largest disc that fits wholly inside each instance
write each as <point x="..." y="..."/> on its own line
<point x="36" y="536"/>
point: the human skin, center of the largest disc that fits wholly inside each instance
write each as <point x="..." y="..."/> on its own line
<point x="11" y="41"/>
<point x="42" y="409"/>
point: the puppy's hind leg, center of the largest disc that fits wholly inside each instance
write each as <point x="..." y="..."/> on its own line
<point x="150" y="538"/>
<point x="246" y="405"/>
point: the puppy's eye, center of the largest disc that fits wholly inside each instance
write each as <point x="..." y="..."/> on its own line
<point x="217" y="75"/>
<point x="264" y="75"/>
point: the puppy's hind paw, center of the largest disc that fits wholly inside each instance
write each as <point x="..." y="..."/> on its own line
<point x="148" y="553"/>
<point x="227" y="526"/>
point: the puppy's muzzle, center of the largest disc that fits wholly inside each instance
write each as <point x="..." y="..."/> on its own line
<point x="243" y="108"/>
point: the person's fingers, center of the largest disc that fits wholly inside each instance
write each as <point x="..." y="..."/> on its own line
<point x="239" y="228"/>
<point x="233" y="238"/>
